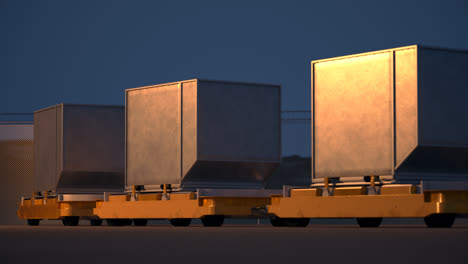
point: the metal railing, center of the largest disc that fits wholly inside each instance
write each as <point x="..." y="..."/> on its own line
<point x="18" y="118"/>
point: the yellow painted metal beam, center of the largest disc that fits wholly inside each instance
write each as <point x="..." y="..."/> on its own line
<point x="149" y="197"/>
<point x="179" y="206"/>
<point x="235" y="206"/>
<point x="151" y="209"/>
<point x="360" y="190"/>
<point x="306" y="192"/>
<point x="182" y="196"/>
<point x="399" y="189"/>
<point x="78" y="208"/>
<point x="119" y="198"/>
<point x="351" y="206"/>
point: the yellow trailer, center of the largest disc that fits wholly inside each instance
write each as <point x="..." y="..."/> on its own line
<point x="67" y="208"/>
<point x="368" y="204"/>
<point x="178" y="208"/>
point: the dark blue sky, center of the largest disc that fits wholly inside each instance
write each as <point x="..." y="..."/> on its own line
<point x="91" y="51"/>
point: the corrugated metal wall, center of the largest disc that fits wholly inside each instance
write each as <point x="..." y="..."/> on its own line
<point x="16" y="168"/>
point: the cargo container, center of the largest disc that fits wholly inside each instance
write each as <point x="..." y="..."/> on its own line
<point x="197" y="149"/>
<point x="78" y="155"/>
<point x="399" y="114"/>
<point x="79" y="148"/>
<point x="202" y="134"/>
<point x="389" y="139"/>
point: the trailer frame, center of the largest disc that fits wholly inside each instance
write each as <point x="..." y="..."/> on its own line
<point x="368" y="202"/>
<point x="178" y="206"/>
<point x="36" y="209"/>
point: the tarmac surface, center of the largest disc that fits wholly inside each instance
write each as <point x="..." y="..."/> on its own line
<point x="233" y="243"/>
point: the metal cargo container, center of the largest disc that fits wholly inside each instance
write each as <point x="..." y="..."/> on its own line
<point x="197" y="133"/>
<point x="79" y="148"/>
<point x="400" y="114"/>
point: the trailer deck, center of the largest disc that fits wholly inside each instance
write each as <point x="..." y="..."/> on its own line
<point x="179" y="208"/>
<point x="368" y="204"/>
<point x="70" y="212"/>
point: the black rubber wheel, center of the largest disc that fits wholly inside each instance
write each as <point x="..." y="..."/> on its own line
<point x="297" y="222"/>
<point x="71" y="220"/>
<point x="439" y="220"/>
<point x="369" y="222"/>
<point x="180" y="221"/>
<point x="119" y="222"/>
<point x="212" y="220"/>
<point x="288" y="222"/>
<point x="34" y="222"/>
<point x="140" y="222"/>
<point x="95" y="222"/>
<point x="276" y="221"/>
